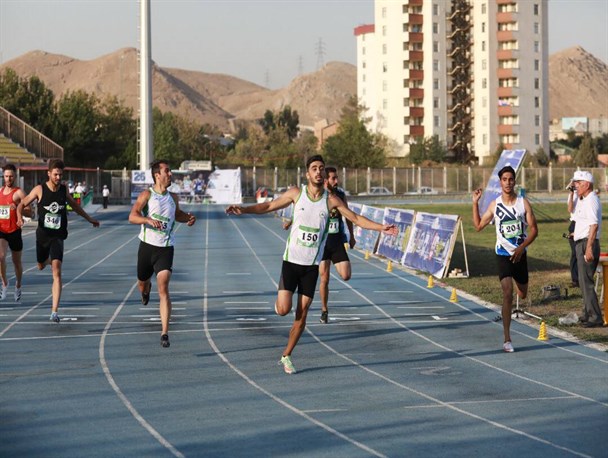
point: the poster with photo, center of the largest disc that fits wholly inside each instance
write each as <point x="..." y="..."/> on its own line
<point x="366" y="239"/>
<point x="393" y="247"/>
<point x="514" y="158"/>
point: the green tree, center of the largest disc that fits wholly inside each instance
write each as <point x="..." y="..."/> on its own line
<point x="353" y="145"/>
<point x="118" y="135"/>
<point x="541" y="157"/>
<point x="586" y="155"/>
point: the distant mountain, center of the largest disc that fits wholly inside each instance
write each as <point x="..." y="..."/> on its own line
<point x="203" y="97"/>
<point x="578" y="84"/>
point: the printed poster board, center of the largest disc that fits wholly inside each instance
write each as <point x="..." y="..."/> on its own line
<point x="514" y="158"/>
<point x="393" y="247"/>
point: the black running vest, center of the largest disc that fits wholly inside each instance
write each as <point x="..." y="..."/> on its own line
<point x="52" y="213"/>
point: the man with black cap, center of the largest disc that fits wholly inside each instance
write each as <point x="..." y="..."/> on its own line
<point x="515" y="229"/>
<point x="588" y="219"/>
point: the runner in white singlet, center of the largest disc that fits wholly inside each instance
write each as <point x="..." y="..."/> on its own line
<point x="306" y="241"/>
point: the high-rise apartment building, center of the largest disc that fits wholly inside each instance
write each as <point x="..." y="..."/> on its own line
<point x="472" y="72"/>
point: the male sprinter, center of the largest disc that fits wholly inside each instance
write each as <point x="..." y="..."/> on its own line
<point x="53" y="198"/>
<point x="511" y="215"/>
<point x="304" y="250"/>
<point x="156" y="210"/>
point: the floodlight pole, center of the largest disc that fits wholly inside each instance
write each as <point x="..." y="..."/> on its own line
<point x="146" y="147"/>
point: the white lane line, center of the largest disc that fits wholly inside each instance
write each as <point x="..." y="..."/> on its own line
<point x="237" y="273"/>
<point x="443" y="347"/>
<point x="106" y="370"/>
<point x="406" y="302"/>
<point x="246" y="302"/>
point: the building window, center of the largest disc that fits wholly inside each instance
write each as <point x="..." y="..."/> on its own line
<point x="436" y="102"/>
<point x="384" y="86"/>
<point x="483" y="27"/>
<point x="384" y="49"/>
<point x="436" y="121"/>
<point x="536" y="46"/>
<point x="485" y="139"/>
<point x="435" y="46"/>
<point x="436" y="65"/>
<point x="536" y="102"/>
<point x="406" y="102"/>
<point x="363" y="65"/>
<point x="435" y="9"/>
<point x="384" y="104"/>
<point x="383" y="30"/>
<point x="537" y="139"/>
<point x="483" y="45"/>
<point x="484" y="64"/>
<point x="536" y="27"/>
<point x="384" y="11"/>
<point x="484" y="83"/>
<point x="536" y="9"/>
<point x="435" y="27"/>
<point x="406" y="139"/>
<point x="363" y="50"/>
<point x="406" y="120"/>
<point x="483" y="8"/>
<point x="536" y="64"/>
<point x="384" y="67"/>
<point x="536" y="83"/>
<point x="363" y="78"/>
<point x="435" y="83"/>
<point x="537" y="120"/>
<point x="484" y="102"/>
<point x="363" y="91"/>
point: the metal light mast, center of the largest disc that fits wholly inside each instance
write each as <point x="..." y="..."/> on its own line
<point x="146" y="147"/>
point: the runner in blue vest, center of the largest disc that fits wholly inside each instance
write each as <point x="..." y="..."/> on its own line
<point x="516" y="229"/>
<point x="305" y="245"/>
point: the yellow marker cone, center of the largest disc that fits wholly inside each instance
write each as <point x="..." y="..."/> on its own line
<point x="366" y="254"/>
<point x="389" y="266"/>
<point x="542" y="332"/>
<point x="431" y="283"/>
<point x="453" y="297"/>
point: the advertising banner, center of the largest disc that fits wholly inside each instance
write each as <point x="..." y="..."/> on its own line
<point x="366" y="239"/>
<point x="224" y="187"/>
<point x="431" y="243"/>
<point x="393" y="247"/>
<point x="514" y="158"/>
<point x="140" y="181"/>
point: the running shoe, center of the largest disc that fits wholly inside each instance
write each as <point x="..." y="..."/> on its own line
<point x="17" y="294"/>
<point x="287" y="365"/>
<point x="55" y="317"/>
<point x="3" y="292"/>
<point x="145" y="297"/>
<point x="164" y="341"/>
<point x="324" y="317"/>
<point x="508" y="347"/>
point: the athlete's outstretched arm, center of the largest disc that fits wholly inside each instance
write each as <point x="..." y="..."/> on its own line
<point x="79" y="210"/>
<point x="479" y="222"/>
<point x="284" y="200"/>
<point x="359" y="220"/>
<point x="35" y="194"/>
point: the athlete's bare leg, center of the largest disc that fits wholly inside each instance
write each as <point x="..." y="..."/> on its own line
<point x="57" y="283"/>
<point x="162" y="281"/>
<point x="299" y="323"/>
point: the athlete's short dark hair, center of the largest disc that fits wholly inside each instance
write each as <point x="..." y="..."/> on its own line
<point x="155" y="167"/>
<point x="10" y="167"/>
<point x="331" y="170"/>
<point x="56" y="164"/>
<point x="315" y="158"/>
<point x="506" y="168"/>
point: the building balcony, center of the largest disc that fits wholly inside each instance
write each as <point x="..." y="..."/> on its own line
<point x="417" y="19"/>
<point x="504" y="73"/>
<point x="504" y="129"/>
<point x="416" y="75"/>
<point x="416" y="112"/>
<point x="505" y="2"/>
<point x="504" y="18"/>
<point x="416" y="37"/>
<point x="416" y="93"/>
<point x="505" y="92"/>
<point x="506" y="54"/>
<point x="505" y="111"/>
<point x="415" y="56"/>
<point x="505" y="35"/>
<point x="417" y="131"/>
<point x="414" y="3"/>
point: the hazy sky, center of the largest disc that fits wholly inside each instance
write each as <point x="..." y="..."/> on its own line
<point x="265" y="42"/>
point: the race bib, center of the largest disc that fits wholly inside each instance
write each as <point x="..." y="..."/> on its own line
<point x="334" y="226"/>
<point x="308" y="237"/>
<point x="5" y="211"/>
<point x="52" y="221"/>
<point x="511" y="229"/>
<point x="164" y="223"/>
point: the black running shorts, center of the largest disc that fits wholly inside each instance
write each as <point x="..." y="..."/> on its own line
<point x="15" y="242"/>
<point x="49" y="248"/>
<point x="518" y="271"/>
<point x="153" y="259"/>
<point x="335" y="251"/>
<point x="302" y="278"/>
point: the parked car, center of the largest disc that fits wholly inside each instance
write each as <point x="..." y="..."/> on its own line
<point x="424" y="190"/>
<point x="377" y="191"/>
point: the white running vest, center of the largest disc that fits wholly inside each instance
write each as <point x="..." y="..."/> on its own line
<point x="160" y="207"/>
<point x="510" y="222"/>
<point x="308" y="230"/>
